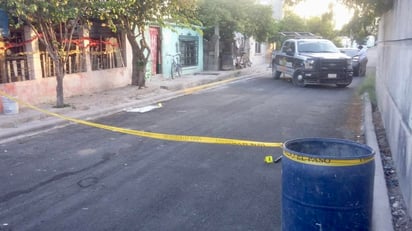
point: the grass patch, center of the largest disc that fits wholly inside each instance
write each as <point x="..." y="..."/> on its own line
<point x="368" y="85"/>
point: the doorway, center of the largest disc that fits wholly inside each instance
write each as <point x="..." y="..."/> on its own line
<point x="155" y="50"/>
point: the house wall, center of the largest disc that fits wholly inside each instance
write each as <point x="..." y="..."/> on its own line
<point x="43" y="90"/>
<point x="264" y="57"/>
<point x="170" y="46"/>
<point x="394" y="89"/>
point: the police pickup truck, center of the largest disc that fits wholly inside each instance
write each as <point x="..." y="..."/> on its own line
<point x="312" y="60"/>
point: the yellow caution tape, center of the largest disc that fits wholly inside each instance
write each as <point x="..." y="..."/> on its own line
<point x="322" y="161"/>
<point x="160" y="136"/>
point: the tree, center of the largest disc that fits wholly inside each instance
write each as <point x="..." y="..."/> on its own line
<point x="323" y="25"/>
<point x="54" y="22"/>
<point x="319" y="25"/>
<point x="243" y="16"/>
<point x="292" y="2"/>
<point x="290" y="22"/>
<point x="370" y="7"/>
<point x="259" y="23"/>
<point x="134" y="16"/>
<point x="366" y="17"/>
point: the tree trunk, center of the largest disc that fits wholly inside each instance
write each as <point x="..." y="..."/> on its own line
<point x="59" y="85"/>
<point x="141" y="82"/>
<point x="138" y="71"/>
<point x="141" y="53"/>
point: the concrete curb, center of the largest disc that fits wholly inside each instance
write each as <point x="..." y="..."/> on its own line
<point x="381" y="215"/>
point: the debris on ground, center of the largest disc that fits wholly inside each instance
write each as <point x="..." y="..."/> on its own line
<point x="401" y="220"/>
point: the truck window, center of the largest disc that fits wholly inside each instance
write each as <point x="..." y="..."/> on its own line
<point x="317" y="47"/>
<point x="292" y="47"/>
<point x="289" y="46"/>
<point x="285" y="47"/>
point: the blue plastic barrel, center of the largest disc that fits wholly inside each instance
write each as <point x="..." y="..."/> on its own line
<point x="327" y="184"/>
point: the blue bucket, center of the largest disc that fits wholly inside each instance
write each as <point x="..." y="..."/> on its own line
<point x="327" y="184"/>
<point x="10" y="107"/>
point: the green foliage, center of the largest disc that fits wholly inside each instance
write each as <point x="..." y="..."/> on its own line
<point x="130" y="14"/>
<point x="259" y="23"/>
<point x="361" y="26"/>
<point x="366" y="17"/>
<point x="368" y="85"/>
<point x="54" y="22"/>
<point x="244" y="16"/>
<point x="37" y="12"/>
<point x="292" y="22"/>
<point x="133" y="18"/>
<point x="292" y="2"/>
<point x="322" y="26"/>
<point x="369" y="7"/>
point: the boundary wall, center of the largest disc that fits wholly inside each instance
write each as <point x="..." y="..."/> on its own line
<point x="394" y="89"/>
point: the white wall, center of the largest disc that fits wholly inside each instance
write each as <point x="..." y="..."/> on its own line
<point x="259" y="58"/>
<point x="394" y="89"/>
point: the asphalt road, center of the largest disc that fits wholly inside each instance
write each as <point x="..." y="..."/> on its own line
<point x="81" y="178"/>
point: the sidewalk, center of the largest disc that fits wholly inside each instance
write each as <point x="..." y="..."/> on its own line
<point x="94" y="105"/>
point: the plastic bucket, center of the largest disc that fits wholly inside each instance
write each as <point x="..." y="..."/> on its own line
<point x="10" y="107"/>
<point x="327" y="184"/>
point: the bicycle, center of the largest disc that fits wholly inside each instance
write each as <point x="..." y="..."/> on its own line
<point x="176" y="69"/>
<point x="243" y="61"/>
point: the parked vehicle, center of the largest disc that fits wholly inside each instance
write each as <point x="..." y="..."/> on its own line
<point x="359" y="60"/>
<point x="176" y="68"/>
<point x="307" y="59"/>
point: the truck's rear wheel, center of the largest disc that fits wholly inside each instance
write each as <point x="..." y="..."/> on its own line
<point x="275" y="74"/>
<point x="298" y="79"/>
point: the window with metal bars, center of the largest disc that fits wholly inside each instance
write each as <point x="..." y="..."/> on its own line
<point x="106" y="47"/>
<point x="189" y="50"/>
<point x="258" y="47"/>
<point x="13" y="58"/>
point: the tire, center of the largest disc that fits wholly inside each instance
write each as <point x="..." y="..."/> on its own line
<point x="356" y="72"/>
<point x="363" y="73"/>
<point x="360" y="70"/>
<point x="298" y="79"/>
<point x="276" y="74"/>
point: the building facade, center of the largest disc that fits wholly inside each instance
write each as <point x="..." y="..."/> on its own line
<point x="99" y="60"/>
<point x="394" y="89"/>
<point x="184" y="42"/>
